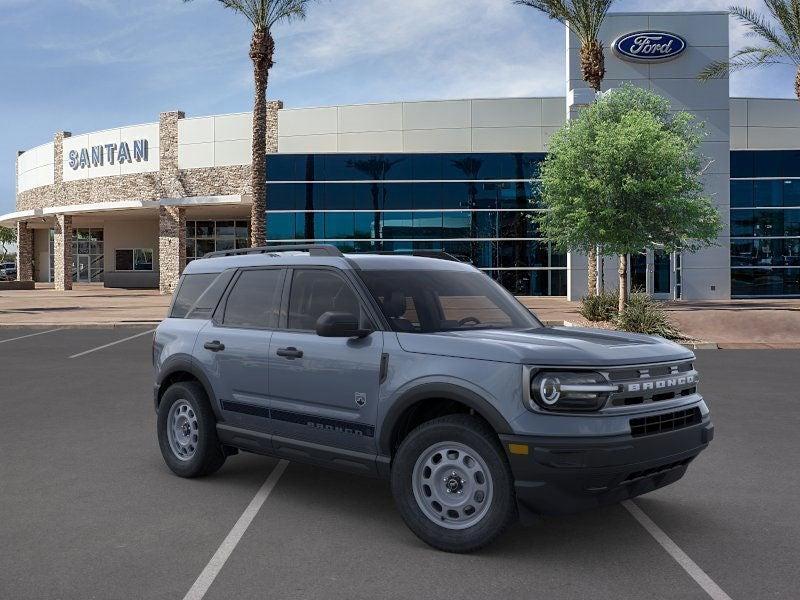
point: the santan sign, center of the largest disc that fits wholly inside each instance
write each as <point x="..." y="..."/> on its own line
<point x="649" y="46"/>
<point x="97" y="156"/>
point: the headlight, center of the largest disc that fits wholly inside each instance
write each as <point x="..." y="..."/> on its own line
<point x="563" y="390"/>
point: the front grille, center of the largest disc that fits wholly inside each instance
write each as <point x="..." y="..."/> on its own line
<point x="654" y="424"/>
<point x="652" y="383"/>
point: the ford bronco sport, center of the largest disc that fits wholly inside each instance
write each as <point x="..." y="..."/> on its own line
<point x="423" y="371"/>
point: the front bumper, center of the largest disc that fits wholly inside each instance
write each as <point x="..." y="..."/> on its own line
<point x="567" y="475"/>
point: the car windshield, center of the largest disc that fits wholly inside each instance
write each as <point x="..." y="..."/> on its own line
<point x="430" y="301"/>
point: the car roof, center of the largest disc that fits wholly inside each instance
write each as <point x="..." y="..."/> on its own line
<point x="367" y="262"/>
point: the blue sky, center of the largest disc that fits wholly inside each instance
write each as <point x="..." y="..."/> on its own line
<point x="84" y="65"/>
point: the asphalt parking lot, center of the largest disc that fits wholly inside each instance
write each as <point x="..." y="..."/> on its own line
<point x="88" y="509"/>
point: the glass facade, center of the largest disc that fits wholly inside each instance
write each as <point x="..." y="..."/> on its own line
<point x="765" y="223"/>
<point x="211" y="236"/>
<point x="475" y="206"/>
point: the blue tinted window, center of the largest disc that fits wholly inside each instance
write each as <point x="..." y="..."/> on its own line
<point x="765" y="282"/>
<point x="778" y="253"/>
<point x="791" y="193"/>
<point x="398" y="225"/>
<point x="283" y="196"/>
<point x="281" y="167"/>
<point x="457" y="224"/>
<point x="280" y="226"/>
<point x="303" y="223"/>
<point x="742" y="223"/>
<point x="397" y="196"/>
<point x="427" y="225"/>
<point x="768" y="164"/>
<point x="426" y="166"/>
<point x="426" y="195"/>
<point x="339" y="196"/>
<point x="741" y="194"/>
<point x="455" y="195"/>
<point x="742" y="164"/>
<point x="528" y="164"/>
<point x="768" y="193"/>
<point x="367" y="196"/>
<point x="313" y="197"/>
<point x="339" y="225"/>
<point x="367" y="225"/>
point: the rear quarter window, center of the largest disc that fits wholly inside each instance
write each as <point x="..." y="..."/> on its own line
<point x="189" y="291"/>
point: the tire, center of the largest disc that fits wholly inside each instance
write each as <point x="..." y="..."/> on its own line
<point x="194" y="450"/>
<point x="470" y="477"/>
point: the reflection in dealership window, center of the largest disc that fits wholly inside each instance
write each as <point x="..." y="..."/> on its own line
<point x="203" y="237"/>
<point x="133" y="259"/>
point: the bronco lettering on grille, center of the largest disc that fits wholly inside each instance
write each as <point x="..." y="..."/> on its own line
<point x="661" y="384"/>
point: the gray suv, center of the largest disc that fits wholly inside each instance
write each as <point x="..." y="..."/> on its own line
<point x="423" y="371"/>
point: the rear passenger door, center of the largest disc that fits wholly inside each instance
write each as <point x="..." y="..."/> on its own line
<point x="233" y="347"/>
<point x="323" y="390"/>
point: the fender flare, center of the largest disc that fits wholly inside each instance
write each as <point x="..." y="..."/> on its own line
<point x="447" y="391"/>
<point x="182" y="363"/>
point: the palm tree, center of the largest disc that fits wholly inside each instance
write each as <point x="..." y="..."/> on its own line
<point x="376" y="168"/>
<point x="584" y="19"/>
<point x="263" y="15"/>
<point x="780" y="41"/>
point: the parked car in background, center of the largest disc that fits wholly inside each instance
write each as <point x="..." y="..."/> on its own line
<point x="8" y="271"/>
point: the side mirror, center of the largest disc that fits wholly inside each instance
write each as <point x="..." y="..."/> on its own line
<point x="338" y="324"/>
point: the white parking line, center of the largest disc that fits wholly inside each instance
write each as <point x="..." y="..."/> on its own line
<point x="688" y="565"/>
<point x="111" y="344"/>
<point x="22" y="337"/>
<point x="214" y="566"/>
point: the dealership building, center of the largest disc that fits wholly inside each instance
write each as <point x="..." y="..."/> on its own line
<point x="130" y="206"/>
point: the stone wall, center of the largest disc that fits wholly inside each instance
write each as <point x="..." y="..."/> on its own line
<point x="171" y="246"/>
<point x="62" y="251"/>
<point x="24" y="252"/>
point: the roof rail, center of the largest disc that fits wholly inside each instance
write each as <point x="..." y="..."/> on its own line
<point x="440" y="254"/>
<point x="312" y="249"/>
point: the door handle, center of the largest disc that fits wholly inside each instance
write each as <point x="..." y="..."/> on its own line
<point x="290" y="352"/>
<point x="215" y="346"/>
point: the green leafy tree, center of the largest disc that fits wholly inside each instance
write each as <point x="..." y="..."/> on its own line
<point x="778" y="40"/>
<point x="584" y="19"/>
<point x="626" y="175"/>
<point x="8" y="236"/>
<point x="263" y="15"/>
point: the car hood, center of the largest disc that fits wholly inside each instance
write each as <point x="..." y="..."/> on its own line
<point x="550" y="346"/>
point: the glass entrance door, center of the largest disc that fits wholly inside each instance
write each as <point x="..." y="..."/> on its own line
<point x="651" y="272"/>
<point x="83" y="269"/>
<point x="662" y="272"/>
<point x="638" y="272"/>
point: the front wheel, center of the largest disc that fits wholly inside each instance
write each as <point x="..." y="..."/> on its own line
<point x="452" y="484"/>
<point x="187" y="433"/>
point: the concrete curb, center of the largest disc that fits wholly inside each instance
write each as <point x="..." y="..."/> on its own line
<point x="96" y="325"/>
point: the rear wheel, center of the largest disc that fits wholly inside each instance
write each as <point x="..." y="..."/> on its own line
<point x="187" y="433"/>
<point x="453" y="485"/>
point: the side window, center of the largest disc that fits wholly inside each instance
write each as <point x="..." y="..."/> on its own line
<point x="254" y="299"/>
<point x="192" y="286"/>
<point x="315" y="292"/>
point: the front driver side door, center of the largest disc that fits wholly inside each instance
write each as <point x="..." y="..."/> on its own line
<point x="323" y="390"/>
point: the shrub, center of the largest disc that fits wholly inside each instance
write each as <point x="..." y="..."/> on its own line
<point x="645" y="315"/>
<point x="601" y="307"/>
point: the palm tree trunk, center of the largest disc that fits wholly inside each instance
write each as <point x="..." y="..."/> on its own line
<point x="262" y="48"/>
<point x="592" y="272"/>
<point x="797" y="84"/>
<point x="593" y="70"/>
<point x="623" y="282"/>
<point x="593" y="67"/>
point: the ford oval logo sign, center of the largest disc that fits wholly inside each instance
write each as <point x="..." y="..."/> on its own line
<point x="649" y="46"/>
